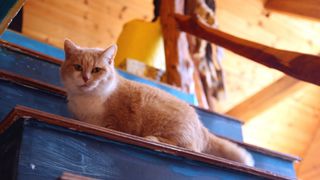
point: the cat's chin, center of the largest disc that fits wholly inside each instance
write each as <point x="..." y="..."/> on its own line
<point x="86" y="88"/>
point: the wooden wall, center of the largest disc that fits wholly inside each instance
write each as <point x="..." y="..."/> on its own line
<point x="249" y="20"/>
<point x="309" y="169"/>
<point x="288" y="126"/>
<point x="89" y="23"/>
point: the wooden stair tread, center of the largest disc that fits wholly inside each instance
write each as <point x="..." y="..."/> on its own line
<point x="82" y="127"/>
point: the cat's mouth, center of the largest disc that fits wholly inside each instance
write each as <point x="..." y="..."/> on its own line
<point x="86" y="87"/>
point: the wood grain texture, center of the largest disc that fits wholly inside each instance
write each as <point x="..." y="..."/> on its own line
<point x="289" y="125"/>
<point x="19" y="113"/>
<point x="307" y="8"/>
<point x="310" y="168"/>
<point x="92" y="23"/>
<point x="301" y="66"/>
<point x="265" y="98"/>
<point x="179" y="66"/>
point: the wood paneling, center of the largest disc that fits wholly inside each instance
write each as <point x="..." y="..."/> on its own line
<point x="298" y="65"/>
<point x="265" y="98"/>
<point x="251" y="22"/>
<point x="310" y="168"/>
<point x="288" y="126"/>
<point x="306" y="8"/>
<point x="89" y="23"/>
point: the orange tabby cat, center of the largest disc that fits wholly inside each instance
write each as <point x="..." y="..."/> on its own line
<point x="98" y="95"/>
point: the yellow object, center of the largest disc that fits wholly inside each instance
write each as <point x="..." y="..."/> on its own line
<point x="142" y="41"/>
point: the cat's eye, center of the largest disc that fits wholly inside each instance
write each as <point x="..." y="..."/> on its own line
<point x="77" y="67"/>
<point x="96" y="70"/>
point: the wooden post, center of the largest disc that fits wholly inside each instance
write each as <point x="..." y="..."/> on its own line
<point x="179" y="67"/>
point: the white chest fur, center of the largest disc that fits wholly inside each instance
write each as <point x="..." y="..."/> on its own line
<point x="88" y="108"/>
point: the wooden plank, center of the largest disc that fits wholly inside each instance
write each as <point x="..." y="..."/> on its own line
<point x="27" y="114"/>
<point x="306" y="8"/>
<point x="301" y="66"/>
<point x="265" y="98"/>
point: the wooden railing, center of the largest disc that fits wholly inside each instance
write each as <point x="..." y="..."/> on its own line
<point x="301" y="66"/>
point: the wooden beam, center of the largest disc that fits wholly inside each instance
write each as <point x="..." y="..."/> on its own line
<point x="306" y="8"/>
<point x="265" y="98"/>
<point x="179" y="65"/>
<point x="301" y="66"/>
<point x="171" y="38"/>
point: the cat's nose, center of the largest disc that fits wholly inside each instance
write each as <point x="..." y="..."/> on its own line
<point x="85" y="78"/>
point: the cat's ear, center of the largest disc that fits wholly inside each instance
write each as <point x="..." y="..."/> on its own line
<point x="110" y="53"/>
<point x="69" y="48"/>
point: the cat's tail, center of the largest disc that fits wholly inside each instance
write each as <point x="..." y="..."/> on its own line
<point x="226" y="149"/>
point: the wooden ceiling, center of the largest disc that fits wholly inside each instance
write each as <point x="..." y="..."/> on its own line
<point x="286" y="116"/>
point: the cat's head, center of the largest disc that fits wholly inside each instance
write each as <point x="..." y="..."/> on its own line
<point x="88" y="70"/>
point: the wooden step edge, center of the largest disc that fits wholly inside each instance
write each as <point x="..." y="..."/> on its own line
<point x="222" y="115"/>
<point x="60" y="91"/>
<point x="24" y="81"/>
<point x="265" y="151"/>
<point x="27" y="113"/>
<point x="29" y="52"/>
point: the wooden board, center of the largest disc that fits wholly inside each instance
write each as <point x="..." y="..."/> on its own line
<point x="106" y="154"/>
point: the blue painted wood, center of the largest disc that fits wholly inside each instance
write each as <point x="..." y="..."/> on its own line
<point x="9" y="147"/>
<point x="13" y="94"/>
<point x="96" y="157"/>
<point x="48" y="72"/>
<point x="30" y="67"/>
<point x="274" y="164"/>
<point x="221" y="125"/>
<point x="29" y="43"/>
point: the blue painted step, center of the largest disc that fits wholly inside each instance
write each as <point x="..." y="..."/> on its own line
<point x="18" y="91"/>
<point x="46" y="69"/>
<point x="37" y="145"/>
